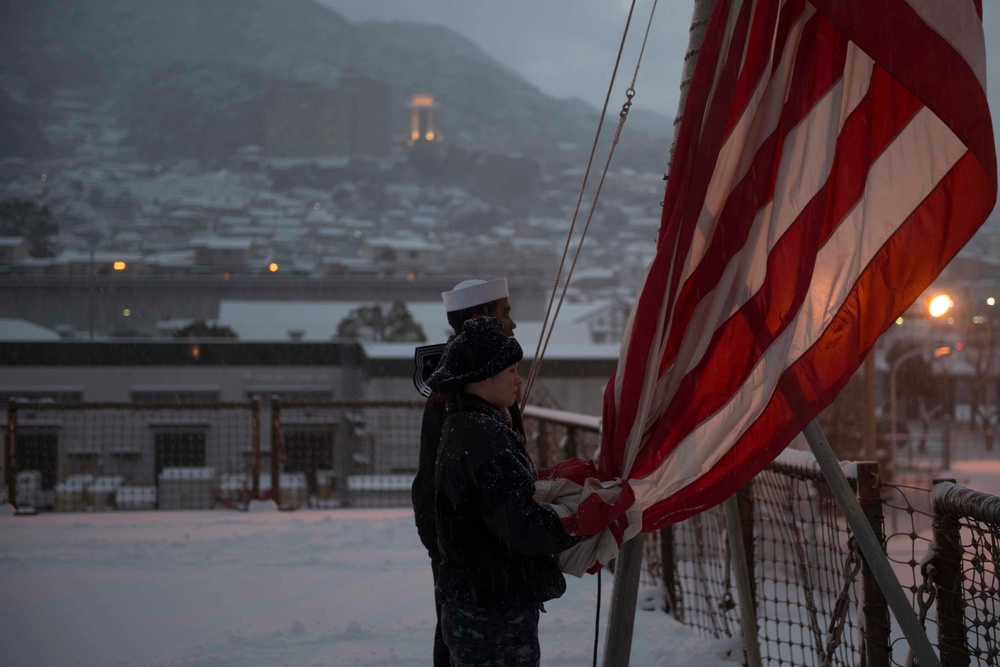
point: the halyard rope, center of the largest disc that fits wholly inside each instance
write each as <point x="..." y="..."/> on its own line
<point x="548" y="323"/>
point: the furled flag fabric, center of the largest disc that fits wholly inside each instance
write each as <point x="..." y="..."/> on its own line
<point x="832" y="158"/>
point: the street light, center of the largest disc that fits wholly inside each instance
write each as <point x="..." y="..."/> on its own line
<point x="939" y="351"/>
<point x="940" y="305"/>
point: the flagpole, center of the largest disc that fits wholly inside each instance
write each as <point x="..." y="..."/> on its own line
<point x="870" y="546"/>
<point x="738" y="563"/>
<point x="628" y="565"/>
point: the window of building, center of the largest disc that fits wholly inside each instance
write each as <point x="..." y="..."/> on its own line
<point x="179" y="447"/>
<point x="167" y="395"/>
<point x="61" y="395"/>
<point x="38" y="449"/>
<point x="309" y="448"/>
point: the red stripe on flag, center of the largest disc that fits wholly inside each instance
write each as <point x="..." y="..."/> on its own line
<point x="661" y="273"/>
<point x="816" y="378"/>
<point x="738" y="343"/>
<point x="915" y="66"/>
<point x="757" y="187"/>
<point x="897" y="38"/>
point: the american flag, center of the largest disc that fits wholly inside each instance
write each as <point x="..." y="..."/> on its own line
<point x="832" y="159"/>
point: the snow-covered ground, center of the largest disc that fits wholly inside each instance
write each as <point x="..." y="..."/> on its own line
<point x="297" y="589"/>
<point x="215" y="588"/>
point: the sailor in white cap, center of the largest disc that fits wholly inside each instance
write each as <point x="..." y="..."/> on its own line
<point x="467" y="300"/>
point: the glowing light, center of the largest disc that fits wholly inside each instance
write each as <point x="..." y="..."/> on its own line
<point x="978" y="319"/>
<point x="414" y="135"/>
<point x="422" y="100"/>
<point x="429" y="136"/>
<point x="940" y="305"/>
<point x="941" y="351"/>
<point x="272" y="267"/>
<point x="127" y="312"/>
<point x="119" y="266"/>
<point x="411" y="276"/>
<point x="959" y="346"/>
<point x="195" y="351"/>
<point x="899" y="320"/>
<point x="226" y="275"/>
<point x="991" y="301"/>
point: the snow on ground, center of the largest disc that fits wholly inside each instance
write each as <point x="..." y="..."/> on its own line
<point x="297" y="589"/>
<point x="313" y="588"/>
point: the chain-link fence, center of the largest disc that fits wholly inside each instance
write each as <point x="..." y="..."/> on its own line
<point x="808" y="575"/>
<point x="201" y="455"/>
<point x="815" y="599"/>
<point x="960" y="571"/>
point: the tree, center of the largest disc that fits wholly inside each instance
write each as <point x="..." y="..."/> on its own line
<point x="371" y="322"/>
<point x="201" y="329"/>
<point x="22" y="217"/>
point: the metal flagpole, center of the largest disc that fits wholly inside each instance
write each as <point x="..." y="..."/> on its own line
<point x="871" y="548"/>
<point x="738" y="561"/>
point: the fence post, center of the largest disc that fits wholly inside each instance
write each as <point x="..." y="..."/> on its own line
<point x="572" y="435"/>
<point x="744" y="501"/>
<point x="277" y="450"/>
<point x="875" y="609"/>
<point x="255" y="448"/>
<point x="952" y="639"/>
<point x="343" y="460"/>
<point x="10" y="454"/>
<point x="668" y="563"/>
<point x="542" y="445"/>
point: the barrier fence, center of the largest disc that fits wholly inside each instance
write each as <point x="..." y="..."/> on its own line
<point x="815" y="599"/>
<point x="201" y="455"/>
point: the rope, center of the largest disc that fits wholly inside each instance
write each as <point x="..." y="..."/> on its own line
<point x="548" y="323"/>
<point x="597" y="620"/>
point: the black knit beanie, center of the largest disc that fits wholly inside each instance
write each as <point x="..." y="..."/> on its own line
<point x="481" y="351"/>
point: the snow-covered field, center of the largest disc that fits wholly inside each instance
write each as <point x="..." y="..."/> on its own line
<point x="296" y="589"/>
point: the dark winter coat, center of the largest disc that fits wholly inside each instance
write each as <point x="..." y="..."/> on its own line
<point x="494" y="541"/>
<point x="422" y="491"/>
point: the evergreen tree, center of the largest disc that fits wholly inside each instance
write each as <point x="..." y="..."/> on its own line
<point x="22" y="217"/>
<point x="371" y="322"/>
<point x="201" y="329"/>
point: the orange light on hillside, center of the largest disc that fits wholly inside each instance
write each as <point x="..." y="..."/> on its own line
<point x="429" y="136"/>
<point x="119" y="266"/>
<point x="422" y="100"/>
<point x="273" y="267"/>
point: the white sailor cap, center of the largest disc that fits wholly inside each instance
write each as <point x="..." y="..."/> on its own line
<point x="469" y="293"/>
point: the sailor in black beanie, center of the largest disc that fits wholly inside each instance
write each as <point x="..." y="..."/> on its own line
<point x="495" y="542"/>
<point x="467" y="300"/>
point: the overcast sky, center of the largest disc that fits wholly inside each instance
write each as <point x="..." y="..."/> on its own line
<point x="567" y="47"/>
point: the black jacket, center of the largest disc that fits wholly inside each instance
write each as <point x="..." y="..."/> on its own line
<point x="422" y="491"/>
<point x="494" y="541"/>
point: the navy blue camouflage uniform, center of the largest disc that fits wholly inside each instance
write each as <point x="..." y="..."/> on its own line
<point x="494" y="542"/>
<point x="422" y="497"/>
